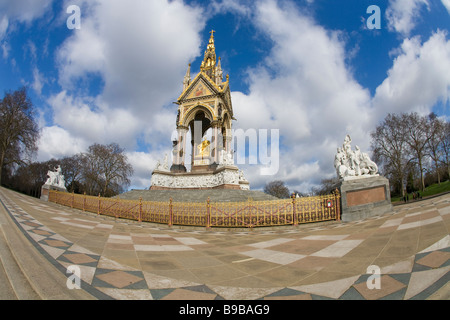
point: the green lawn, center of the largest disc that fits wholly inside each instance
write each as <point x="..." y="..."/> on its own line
<point x="429" y="191"/>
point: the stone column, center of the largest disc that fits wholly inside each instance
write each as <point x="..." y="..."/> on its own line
<point x="215" y="143"/>
<point x="180" y="151"/>
<point x="228" y="140"/>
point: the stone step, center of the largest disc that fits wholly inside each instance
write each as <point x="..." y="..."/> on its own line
<point x="197" y="195"/>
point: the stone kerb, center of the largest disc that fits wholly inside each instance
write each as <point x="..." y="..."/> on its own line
<point x="363" y="197"/>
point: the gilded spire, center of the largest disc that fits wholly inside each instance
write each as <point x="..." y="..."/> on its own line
<point x="211" y="41"/>
<point x="209" y="62"/>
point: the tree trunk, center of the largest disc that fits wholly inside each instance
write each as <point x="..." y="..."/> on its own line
<point x="2" y="159"/>
<point x="422" y="180"/>
<point x="437" y="171"/>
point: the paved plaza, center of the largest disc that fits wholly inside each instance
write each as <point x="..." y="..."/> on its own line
<point x="120" y="259"/>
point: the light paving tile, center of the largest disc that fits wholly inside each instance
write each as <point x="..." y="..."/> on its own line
<point x="189" y="241"/>
<point x="331" y="289"/>
<point x="77" y="225"/>
<point x="104" y="226"/>
<point x="183" y="294"/>
<point x="416" y="224"/>
<point x="27" y="227"/>
<point x="144" y="247"/>
<point x="160" y="235"/>
<point x="87" y="273"/>
<point x="36" y="237"/>
<point x="274" y="256"/>
<point x="270" y="243"/>
<point x="423" y="279"/>
<point x="86" y="221"/>
<point x="52" y="251"/>
<point x="338" y="249"/>
<point x="409" y="225"/>
<point x="57" y="236"/>
<point x="127" y="294"/>
<point x="399" y="267"/>
<point x="159" y="282"/>
<point x="41" y="232"/>
<point x="80" y="249"/>
<point x="105" y="263"/>
<point x="176" y="248"/>
<point x="326" y="237"/>
<point x="444" y="211"/>
<point x="119" y="237"/>
<point x="236" y="293"/>
<point x="392" y="223"/>
<point x="61" y="219"/>
<point x="441" y="244"/>
<point x="431" y="220"/>
<point x="42" y="227"/>
<point x="62" y="213"/>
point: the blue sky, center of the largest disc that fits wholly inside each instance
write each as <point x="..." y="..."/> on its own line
<point x="309" y="68"/>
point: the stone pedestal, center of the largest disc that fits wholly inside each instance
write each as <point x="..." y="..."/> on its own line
<point x="363" y="197"/>
<point x="45" y="191"/>
<point x="224" y="177"/>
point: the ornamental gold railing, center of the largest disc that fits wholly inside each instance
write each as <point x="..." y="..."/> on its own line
<point x="247" y="214"/>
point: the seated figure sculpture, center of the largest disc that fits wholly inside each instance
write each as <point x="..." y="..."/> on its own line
<point x="56" y="178"/>
<point x="349" y="163"/>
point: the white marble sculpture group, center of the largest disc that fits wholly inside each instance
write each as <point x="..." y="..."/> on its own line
<point x="353" y="163"/>
<point x="163" y="166"/>
<point x="56" y="178"/>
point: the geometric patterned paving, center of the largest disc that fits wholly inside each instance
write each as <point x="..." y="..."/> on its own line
<point x="143" y="261"/>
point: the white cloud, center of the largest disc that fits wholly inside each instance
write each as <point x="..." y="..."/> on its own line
<point x="5" y="48"/>
<point x="141" y="61"/>
<point x="446" y="4"/>
<point x="419" y="77"/>
<point x="304" y="89"/>
<point x="24" y="11"/>
<point x="93" y="121"/>
<point x="4" y="23"/>
<point x="55" y="142"/>
<point x="140" y="65"/>
<point x="38" y="81"/>
<point x="402" y="15"/>
<point x="239" y="7"/>
<point x="143" y="165"/>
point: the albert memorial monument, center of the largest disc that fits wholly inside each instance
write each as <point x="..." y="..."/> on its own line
<point x="204" y="104"/>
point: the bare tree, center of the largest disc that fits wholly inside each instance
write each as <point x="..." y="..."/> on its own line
<point x="327" y="186"/>
<point x="418" y="132"/>
<point x="72" y="168"/>
<point x="18" y="130"/>
<point x="390" y="148"/>
<point x="29" y="178"/>
<point x="445" y="147"/>
<point x="106" y="169"/>
<point x="435" y="143"/>
<point x="277" y="189"/>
